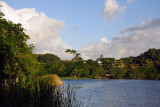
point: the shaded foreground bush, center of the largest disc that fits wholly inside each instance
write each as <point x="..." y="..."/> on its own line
<point x="39" y="94"/>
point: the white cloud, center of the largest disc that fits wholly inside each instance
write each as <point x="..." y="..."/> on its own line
<point x="132" y="42"/>
<point x="43" y="31"/>
<point x="112" y="9"/>
<point x="94" y="50"/>
<point x="104" y="40"/>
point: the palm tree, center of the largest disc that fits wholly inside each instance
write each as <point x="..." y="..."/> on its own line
<point x="77" y="57"/>
<point x="73" y="52"/>
<point x="68" y="51"/>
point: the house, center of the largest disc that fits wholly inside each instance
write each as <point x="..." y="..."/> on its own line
<point x="99" y="62"/>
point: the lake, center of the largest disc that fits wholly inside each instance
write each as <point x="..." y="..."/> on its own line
<point x="117" y="93"/>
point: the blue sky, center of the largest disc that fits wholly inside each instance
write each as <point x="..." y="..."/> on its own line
<point x="84" y="21"/>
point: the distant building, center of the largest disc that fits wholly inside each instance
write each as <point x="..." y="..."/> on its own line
<point x="99" y="62"/>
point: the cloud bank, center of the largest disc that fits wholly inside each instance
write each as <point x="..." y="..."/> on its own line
<point x="43" y="31"/>
<point x="112" y="9"/>
<point x="131" y="42"/>
<point x="150" y="24"/>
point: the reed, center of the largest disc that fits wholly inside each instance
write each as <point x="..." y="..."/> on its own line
<point x="39" y="94"/>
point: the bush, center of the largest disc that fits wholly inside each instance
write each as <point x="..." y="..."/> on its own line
<point x="52" y="79"/>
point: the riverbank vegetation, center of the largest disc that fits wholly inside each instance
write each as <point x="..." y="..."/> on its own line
<point x="144" y="66"/>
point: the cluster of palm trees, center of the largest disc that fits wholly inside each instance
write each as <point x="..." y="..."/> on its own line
<point x="71" y="51"/>
<point x="74" y="52"/>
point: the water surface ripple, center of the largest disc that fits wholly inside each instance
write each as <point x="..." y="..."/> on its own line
<point x="117" y="93"/>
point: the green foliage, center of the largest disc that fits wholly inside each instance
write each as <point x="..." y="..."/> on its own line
<point x="41" y="71"/>
<point x="16" y="59"/>
<point x="108" y="63"/>
<point x="118" y="72"/>
<point x="97" y="72"/>
<point x="145" y="66"/>
<point x="74" y="69"/>
<point x="47" y="58"/>
<point x="71" y="51"/>
<point x="91" y="63"/>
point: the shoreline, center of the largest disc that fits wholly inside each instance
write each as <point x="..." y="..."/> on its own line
<point x="73" y="78"/>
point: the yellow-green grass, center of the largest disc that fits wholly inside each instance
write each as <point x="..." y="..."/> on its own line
<point x="52" y="79"/>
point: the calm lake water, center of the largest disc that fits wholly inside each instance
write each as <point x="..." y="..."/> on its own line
<point x="117" y="93"/>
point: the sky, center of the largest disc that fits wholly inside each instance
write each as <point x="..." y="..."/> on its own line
<point x="113" y="28"/>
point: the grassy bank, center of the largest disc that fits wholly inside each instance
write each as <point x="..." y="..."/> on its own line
<point x="75" y="78"/>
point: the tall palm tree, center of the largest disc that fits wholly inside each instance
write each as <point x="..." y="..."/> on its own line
<point x="77" y="56"/>
<point x="68" y="51"/>
<point x="73" y="52"/>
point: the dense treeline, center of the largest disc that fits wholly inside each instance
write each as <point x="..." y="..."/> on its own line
<point x="144" y="66"/>
<point x="89" y="68"/>
<point x="46" y="58"/>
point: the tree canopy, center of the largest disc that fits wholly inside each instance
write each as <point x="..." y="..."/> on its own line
<point x="16" y="59"/>
<point x="47" y="58"/>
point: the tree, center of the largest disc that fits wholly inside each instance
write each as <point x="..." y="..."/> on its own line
<point x="47" y="58"/>
<point x="90" y="62"/>
<point x="68" y="51"/>
<point x="77" y="57"/>
<point x="73" y="52"/>
<point x="97" y="72"/>
<point x="108" y="63"/>
<point x="16" y="59"/>
<point x="118" y="72"/>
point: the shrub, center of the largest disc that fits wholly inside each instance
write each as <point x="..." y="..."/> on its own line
<point x="52" y="79"/>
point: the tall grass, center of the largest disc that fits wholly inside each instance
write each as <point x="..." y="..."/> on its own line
<point x="39" y="94"/>
<point x="52" y="79"/>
